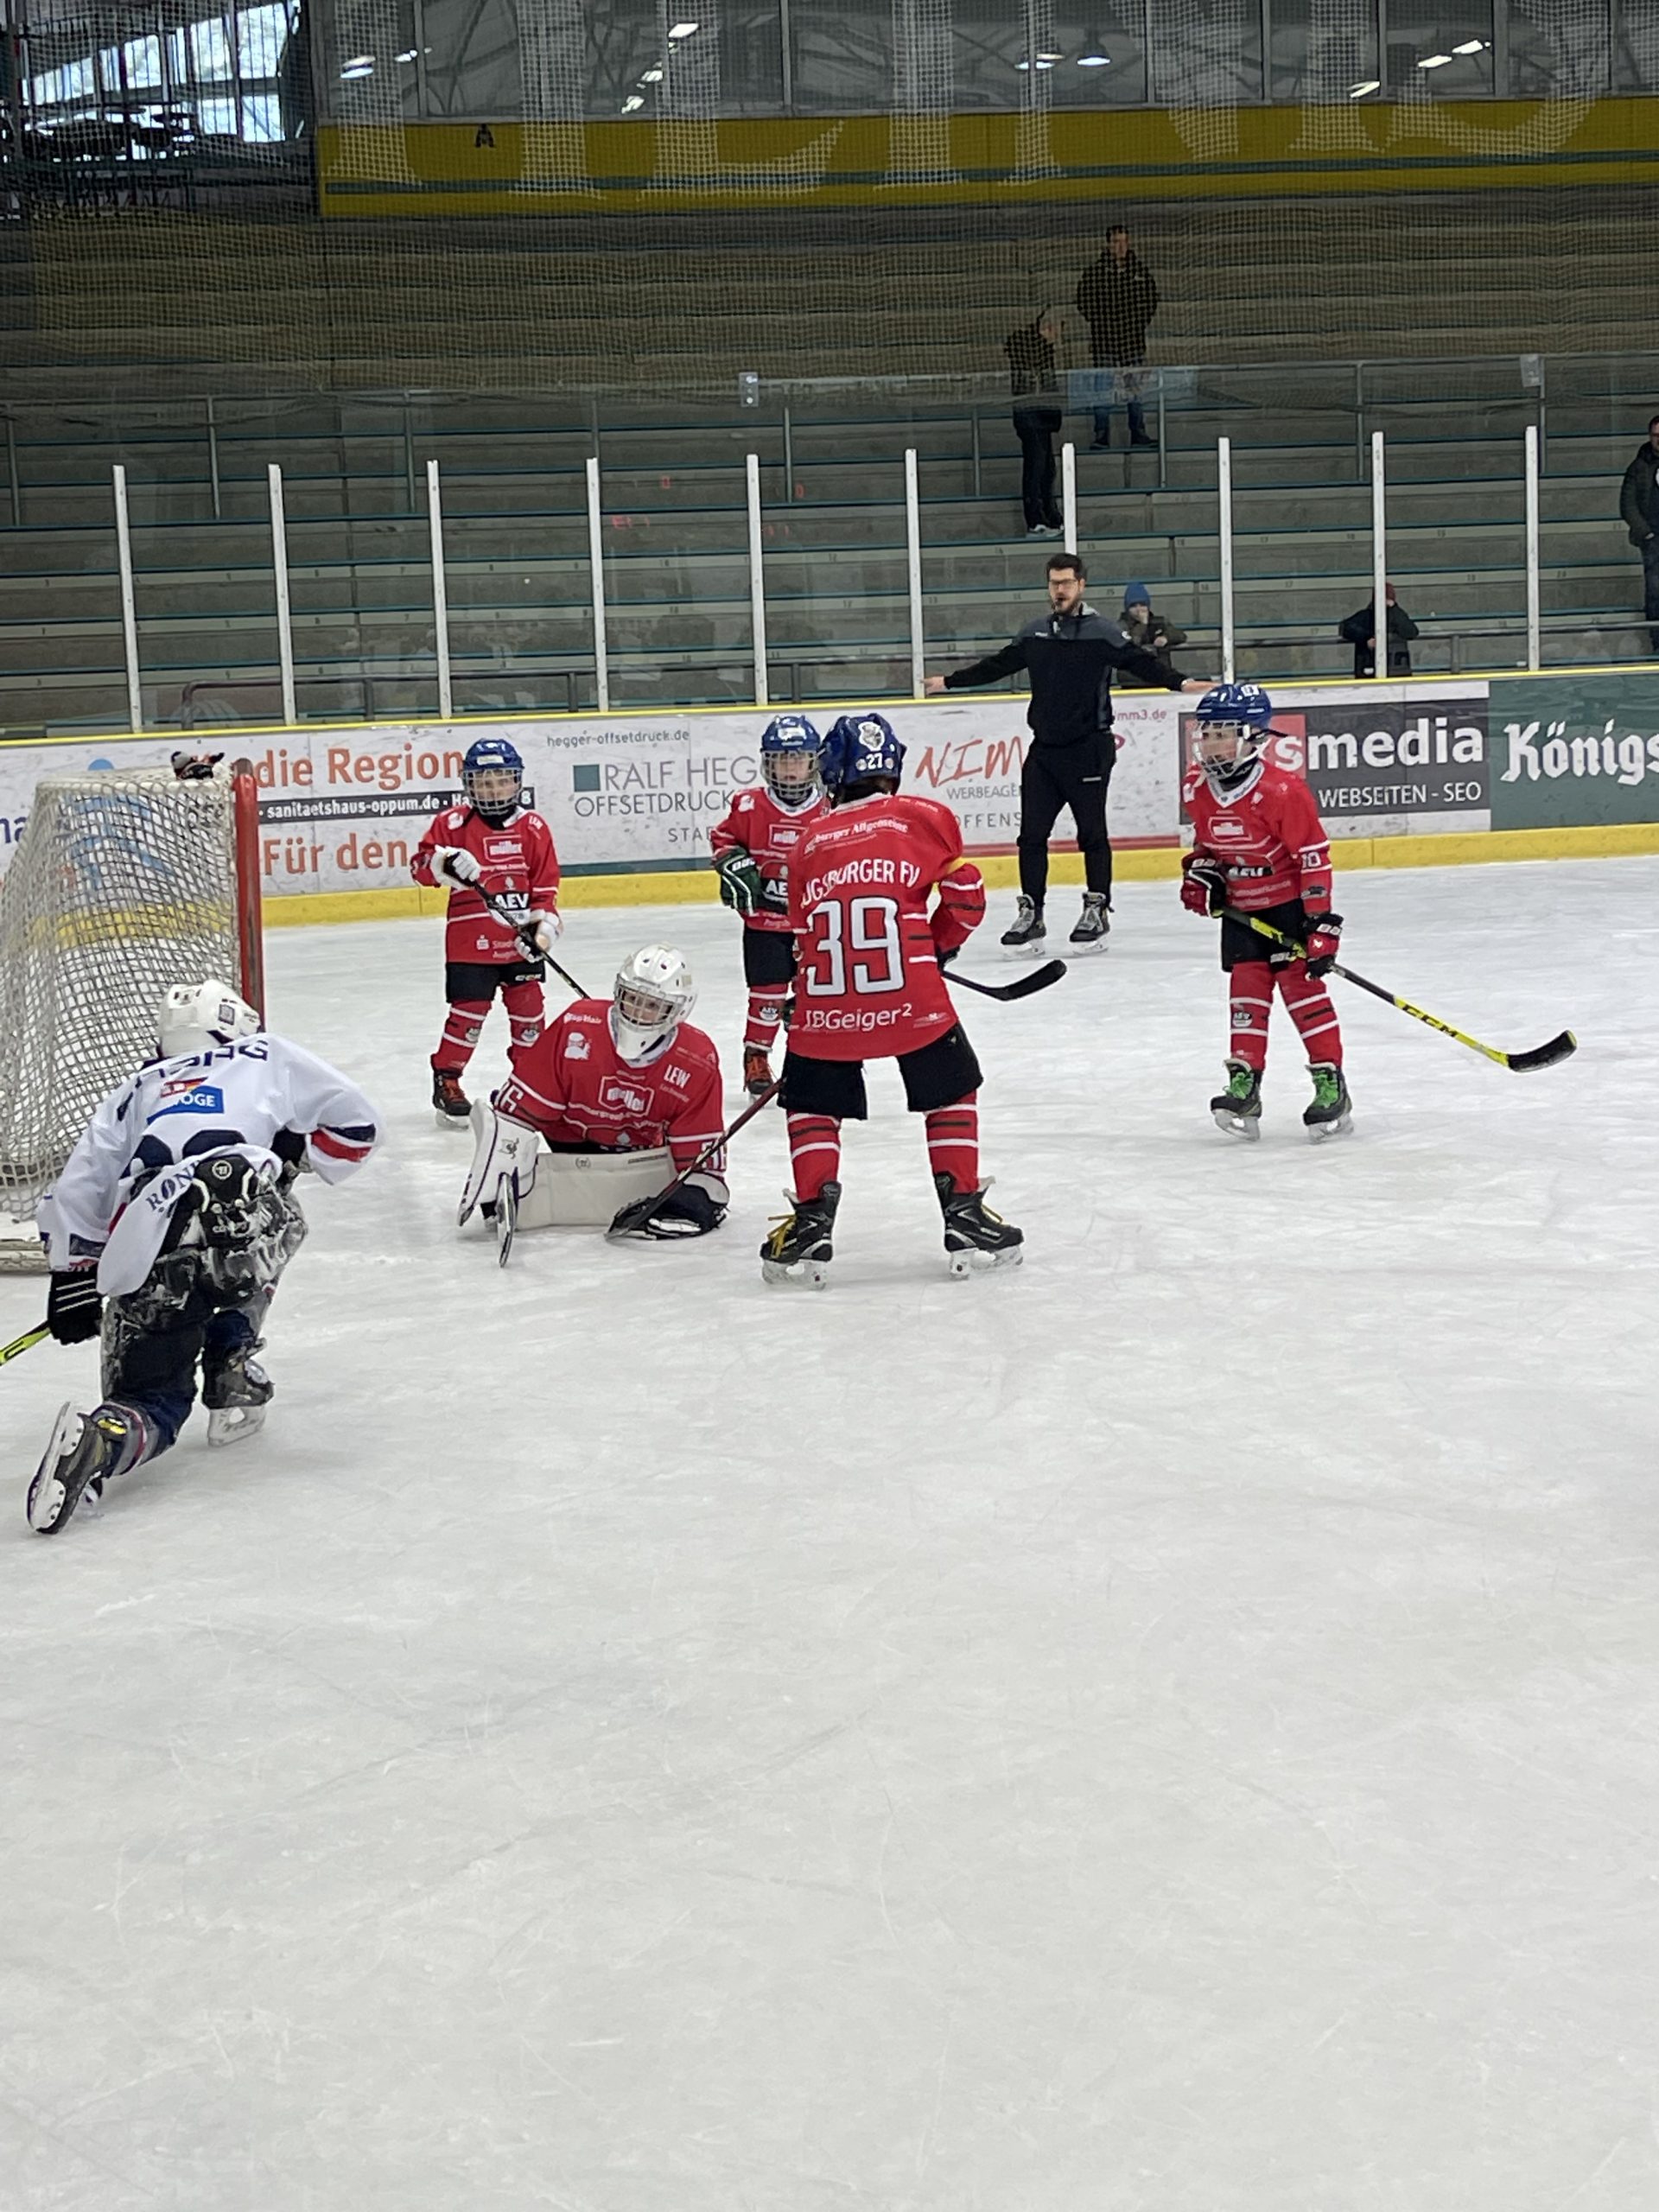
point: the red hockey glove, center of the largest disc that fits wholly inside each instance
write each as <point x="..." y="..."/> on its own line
<point x="1204" y="884"/>
<point x="1324" y="941"/>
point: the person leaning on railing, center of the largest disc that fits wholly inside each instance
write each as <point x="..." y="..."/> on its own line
<point x="1638" y="507"/>
<point x="1360" y="631"/>
<point x="1036" y="415"/>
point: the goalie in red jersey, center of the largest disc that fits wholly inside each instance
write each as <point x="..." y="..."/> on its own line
<point x="753" y="847"/>
<point x="1259" y="848"/>
<point x="871" y="986"/>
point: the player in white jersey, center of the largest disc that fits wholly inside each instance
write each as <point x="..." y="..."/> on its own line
<point x="175" y="1207"/>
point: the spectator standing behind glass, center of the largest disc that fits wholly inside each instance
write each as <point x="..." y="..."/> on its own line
<point x="1154" y="634"/>
<point x="1117" y="298"/>
<point x="1638" y="507"/>
<point x="1035" y="385"/>
<point x="1360" y="630"/>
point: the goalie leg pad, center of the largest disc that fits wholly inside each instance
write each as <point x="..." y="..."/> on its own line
<point x="501" y="1148"/>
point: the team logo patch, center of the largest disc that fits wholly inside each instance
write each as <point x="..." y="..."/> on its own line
<point x="621" y="1096"/>
<point x="781" y="835"/>
<point x="576" y="1047"/>
<point x="185" y="1095"/>
<point x="502" y="848"/>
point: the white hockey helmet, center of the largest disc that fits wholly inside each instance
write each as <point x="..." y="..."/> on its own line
<point x="654" y="993"/>
<point x="195" y="1017"/>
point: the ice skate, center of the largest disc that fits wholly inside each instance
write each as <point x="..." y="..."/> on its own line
<point x="87" y="1451"/>
<point x="1093" y="923"/>
<point x="1332" y="1110"/>
<point x="799" y="1250"/>
<point x="1028" y="930"/>
<point x="973" y="1234"/>
<point x="450" y="1101"/>
<point x="236" y="1390"/>
<point x="756" y="1071"/>
<point x="1238" y="1109"/>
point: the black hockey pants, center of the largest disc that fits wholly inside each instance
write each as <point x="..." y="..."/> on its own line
<point x="1058" y="776"/>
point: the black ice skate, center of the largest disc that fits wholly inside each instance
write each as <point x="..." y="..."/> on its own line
<point x="973" y="1233"/>
<point x="236" y="1389"/>
<point x="1238" y="1109"/>
<point x="756" y="1071"/>
<point x="1332" y="1110"/>
<point x="799" y="1250"/>
<point x="87" y="1451"/>
<point x="1093" y="923"/>
<point x="1028" y="928"/>
<point x="450" y="1100"/>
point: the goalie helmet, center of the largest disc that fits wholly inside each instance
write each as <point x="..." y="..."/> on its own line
<point x="195" y="1017"/>
<point x="654" y="993"/>
<point x="861" y="749"/>
<point x="792" y="753"/>
<point x="1235" y="722"/>
<point x="492" y="777"/>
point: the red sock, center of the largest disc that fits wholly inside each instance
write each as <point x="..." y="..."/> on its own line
<point x="1309" y="1006"/>
<point x="463" y="1027"/>
<point x="814" y="1152"/>
<point x="1250" y="986"/>
<point x="953" y="1142"/>
<point x="523" y="1005"/>
<point x="765" y="1012"/>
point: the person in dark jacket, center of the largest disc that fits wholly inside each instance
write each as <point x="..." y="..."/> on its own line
<point x="1360" y="630"/>
<point x="1035" y="385"/>
<point x="1154" y="634"/>
<point x="1069" y="655"/>
<point x="1117" y="298"/>
<point x="1638" y="509"/>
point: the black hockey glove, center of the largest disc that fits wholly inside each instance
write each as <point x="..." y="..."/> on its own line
<point x="195" y="767"/>
<point x="741" y="884"/>
<point x="1204" y="884"/>
<point x="1324" y="939"/>
<point x="688" y="1212"/>
<point x="289" y="1147"/>
<point x="74" y="1310"/>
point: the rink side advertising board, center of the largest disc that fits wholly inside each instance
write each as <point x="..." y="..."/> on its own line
<point x="1570" y="750"/>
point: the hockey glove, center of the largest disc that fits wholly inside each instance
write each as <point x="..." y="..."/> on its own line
<point x="195" y="767"/>
<point x="74" y="1311"/>
<point x="688" y="1211"/>
<point x="545" y="927"/>
<point x="741" y="884"/>
<point x="1323" y="942"/>
<point x="455" y="863"/>
<point x="289" y="1147"/>
<point x="1204" y="884"/>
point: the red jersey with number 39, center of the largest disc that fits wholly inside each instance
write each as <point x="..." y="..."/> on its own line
<point x="869" y="985"/>
<point x="1269" y="839"/>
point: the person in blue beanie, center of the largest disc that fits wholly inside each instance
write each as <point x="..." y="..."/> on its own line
<point x="1154" y="634"/>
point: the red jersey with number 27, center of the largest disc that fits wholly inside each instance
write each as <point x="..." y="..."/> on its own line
<point x="1270" y="840"/>
<point x="869" y="985"/>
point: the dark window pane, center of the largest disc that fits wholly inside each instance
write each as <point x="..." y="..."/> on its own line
<point x="1439" y="52"/>
<point x="1211" y="58"/>
<point x="1324" y="50"/>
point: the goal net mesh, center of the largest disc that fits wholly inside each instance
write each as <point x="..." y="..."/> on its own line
<point x="123" y="884"/>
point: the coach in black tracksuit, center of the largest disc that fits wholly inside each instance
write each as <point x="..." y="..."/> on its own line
<point x="1069" y="655"/>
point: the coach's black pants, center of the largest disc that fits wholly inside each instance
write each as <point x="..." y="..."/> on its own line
<point x="1058" y="776"/>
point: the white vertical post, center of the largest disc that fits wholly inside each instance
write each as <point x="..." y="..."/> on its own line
<point x="1533" y="640"/>
<point x="440" y="590"/>
<point x="1224" y="489"/>
<point x="1379" y="555"/>
<point x="597" y="570"/>
<point x="913" y="562"/>
<point x="1069" y="493"/>
<point x="129" y="616"/>
<point x="757" y="586"/>
<point x="279" y="571"/>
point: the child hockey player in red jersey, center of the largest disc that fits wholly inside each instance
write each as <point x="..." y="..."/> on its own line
<point x="1259" y="847"/>
<point x="871" y="987"/>
<point x="490" y="844"/>
<point x="752" y="848"/>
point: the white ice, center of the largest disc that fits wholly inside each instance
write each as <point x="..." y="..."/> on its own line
<point x="1171" y="1729"/>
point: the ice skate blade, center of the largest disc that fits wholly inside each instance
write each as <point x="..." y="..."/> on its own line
<point x="1236" y="1125"/>
<point x="1087" y="950"/>
<point x="811" y="1274"/>
<point x="1317" y="1132"/>
<point x="462" y="1122"/>
<point x="231" y="1424"/>
<point x="53" y="1501"/>
<point x="974" y="1261"/>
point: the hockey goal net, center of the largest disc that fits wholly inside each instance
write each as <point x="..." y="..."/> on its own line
<point x="123" y="883"/>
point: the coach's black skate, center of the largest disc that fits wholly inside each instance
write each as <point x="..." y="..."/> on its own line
<point x="973" y="1232"/>
<point x="1332" y="1111"/>
<point x="799" y="1250"/>
<point x="1093" y="923"/>
<point x="1028" y="925"/>
<point x="236" y="1389"/>
<point x="450" y="1100"/>
<point x="87" y="1451"/>
<point x="1238" y="1109"/>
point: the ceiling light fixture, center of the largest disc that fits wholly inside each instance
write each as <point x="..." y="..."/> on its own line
<point x="1434" y="61"/>
<point x="1371" y="85"/>
<point x="1094" y="61"/>
<point x="682" y="30"/>
<point x="1471" y="46"/>
<point x="652" y="77"/>
<point x="633" y="100"/>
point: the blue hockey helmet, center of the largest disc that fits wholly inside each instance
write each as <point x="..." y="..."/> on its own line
<point x="1234" y="721"/>
<point x="791" y="759"/>
<point x="492" y="777"/>
<point x="861" y="749"/>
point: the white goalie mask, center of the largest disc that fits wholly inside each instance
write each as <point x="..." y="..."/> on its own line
<point x="195" y="1017"/>
<point x="654" y="993"/>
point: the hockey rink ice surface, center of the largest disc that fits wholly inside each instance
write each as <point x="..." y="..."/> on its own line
<point x="1173" y="1728"/>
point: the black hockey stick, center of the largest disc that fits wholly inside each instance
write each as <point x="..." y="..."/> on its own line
<point x="1039" y="979"/>
<point x="526" y="937"/>
<point x="634" y="1215"/>
<point x="1541" y="1056"/>
<point x="23" y="1343"/>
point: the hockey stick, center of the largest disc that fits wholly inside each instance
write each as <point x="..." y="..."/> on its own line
<point x="23" y="1343"/>
<point x="638" y="1211"/>
<point x="1039" y="979"/>
<point x="526" y="937"/>
<point x="1541" y="1056"/>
